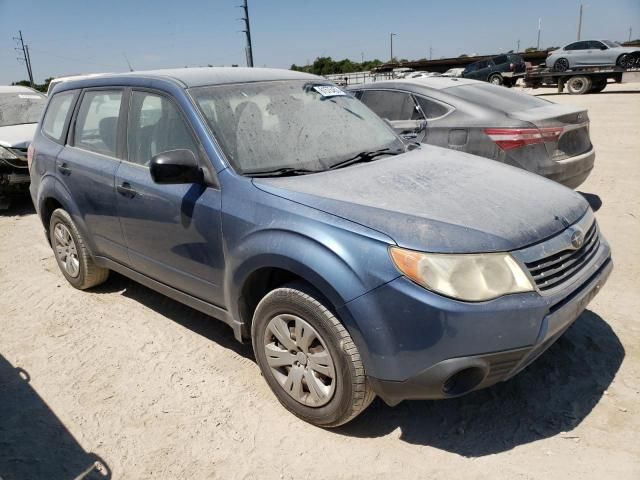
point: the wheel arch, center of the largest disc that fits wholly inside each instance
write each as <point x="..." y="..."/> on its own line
<point x="51" y="196"/>
<point x="293" y="256"/>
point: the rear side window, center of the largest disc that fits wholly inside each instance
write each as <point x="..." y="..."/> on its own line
<point x="97" y="122"/>
<point x="500" y="60"/>
<point x="391" y="105"/>
<point x="57" y="115"/>
<point x="155" y="126"/>
<point x="431" y="108"/>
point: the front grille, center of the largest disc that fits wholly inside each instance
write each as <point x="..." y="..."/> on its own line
<point x="554" y="270"/>
<point x="572" y="143"/>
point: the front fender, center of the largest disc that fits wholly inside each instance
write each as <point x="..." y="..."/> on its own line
<point x="339" y="272"/>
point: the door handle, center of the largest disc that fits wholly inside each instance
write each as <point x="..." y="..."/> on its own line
<point x="63" y="169"/>
<point x="126" y="190"/>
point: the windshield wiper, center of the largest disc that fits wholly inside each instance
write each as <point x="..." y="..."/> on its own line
<point x="281" y="172"/>
<point x="365" y="156"/>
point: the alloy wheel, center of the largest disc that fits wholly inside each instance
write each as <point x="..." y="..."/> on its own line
<point x="300" y="360"/>
<point x="561" y="65"/>
<point x="66" y="251"/>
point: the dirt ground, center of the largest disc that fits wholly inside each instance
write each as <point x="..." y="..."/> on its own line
<point x="153" y="389"/>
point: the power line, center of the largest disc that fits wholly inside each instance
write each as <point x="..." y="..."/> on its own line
<point x="25" y="56"/>
<point x="247" y="31"/>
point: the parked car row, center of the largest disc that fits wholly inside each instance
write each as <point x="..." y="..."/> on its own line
<point x="357" y="263"/>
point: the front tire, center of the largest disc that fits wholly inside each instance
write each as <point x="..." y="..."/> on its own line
<point x="308" y="358"/>
<point x="73" y="257"/>
<point x="561" y="65"/>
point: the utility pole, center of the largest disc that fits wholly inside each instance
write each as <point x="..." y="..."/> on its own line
<point x="25" y="56"/>
<point x="391" y="37"/>
<point x="518" y="47"/>
<point x="430" y="53"/>
<point x="630" y="30"/>
<point x="580" y="22"/>
<point x="361" y="57"/>
<point x="247" y="31"/>
<point x="539" y="28"/>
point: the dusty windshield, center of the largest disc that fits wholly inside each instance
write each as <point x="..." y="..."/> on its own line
<point x="19" y="108"/>
<point x="265" y="126"/>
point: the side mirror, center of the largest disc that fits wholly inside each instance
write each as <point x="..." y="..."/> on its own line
<point x="603" y="47"/>
<point x="175" y="167"/>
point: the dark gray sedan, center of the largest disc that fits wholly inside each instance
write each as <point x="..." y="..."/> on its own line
<point x="487" y="120"/>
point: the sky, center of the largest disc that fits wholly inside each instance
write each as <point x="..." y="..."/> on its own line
<point x="69" y="37"/>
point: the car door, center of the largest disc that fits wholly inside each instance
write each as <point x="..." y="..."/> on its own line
<point x="581" y="54"/>
<point x="86" y="167"/>
<point x="173" y="232"/>
<point x="399" y="109"/>
<point x="471" y="71"/>
<point x="600" y="53"/>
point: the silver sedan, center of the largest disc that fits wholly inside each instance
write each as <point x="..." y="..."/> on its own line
<point x="589" y="53"/>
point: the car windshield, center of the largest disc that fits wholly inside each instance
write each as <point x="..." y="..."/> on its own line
<point x="302" y="125"/>
<point x="611" y="44"/>
<point x="20" y="107"/>
<point x="497" y="97"/>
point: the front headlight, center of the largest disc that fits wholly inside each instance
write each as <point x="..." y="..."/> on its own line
<point x="6" y="154"/>
<point x="469" y="277"/>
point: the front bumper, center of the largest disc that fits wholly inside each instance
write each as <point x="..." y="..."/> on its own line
<point x="414" y="343"/>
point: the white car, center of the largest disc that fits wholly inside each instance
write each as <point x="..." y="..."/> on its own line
<point x="591" y="53"/>
<point x="20" y="110"/>
<point x="58" y="80"/>
<point x="453" y="72"/>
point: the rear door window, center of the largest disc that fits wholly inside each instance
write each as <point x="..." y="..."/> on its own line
<point x="500" y="60"/>
<point x="58" y="112"/>
<point x="391" y="105"/>
<point x="96" y="127"/>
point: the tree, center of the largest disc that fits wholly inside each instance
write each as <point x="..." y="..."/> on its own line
<point x="530" y="50"/>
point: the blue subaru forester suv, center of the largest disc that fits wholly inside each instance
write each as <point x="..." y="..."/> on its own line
<point x="355" y="264"/>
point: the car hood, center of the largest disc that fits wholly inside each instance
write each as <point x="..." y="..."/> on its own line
<point x="439" y="200"/>
<point x="17" y="136"/>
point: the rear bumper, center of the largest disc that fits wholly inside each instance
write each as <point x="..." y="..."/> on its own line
<point x="457" y="376"/>
<point x="571" y="171"/>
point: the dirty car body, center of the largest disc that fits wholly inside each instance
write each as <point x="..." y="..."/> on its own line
<point x="20" y="110"/>
<point x="284" y="194"/>
<point x="490" y="121"/>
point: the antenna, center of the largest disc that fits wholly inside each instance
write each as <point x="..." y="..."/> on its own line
<point x="127" y="60"/>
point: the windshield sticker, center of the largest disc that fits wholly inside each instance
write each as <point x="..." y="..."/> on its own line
<point x="328" y="90"/>
<point x="29" y="96"/>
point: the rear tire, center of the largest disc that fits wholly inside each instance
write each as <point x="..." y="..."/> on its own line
<point x="496" y="79"/>
<point x="71" y="253"/>
<point x="578" y="85"/>
<point x="328" y="365"/>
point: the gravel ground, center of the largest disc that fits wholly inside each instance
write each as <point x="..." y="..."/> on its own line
<point x="152" y="389"/>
